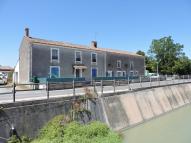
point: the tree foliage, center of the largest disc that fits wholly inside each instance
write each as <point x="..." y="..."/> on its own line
<point x="169" y="56"/>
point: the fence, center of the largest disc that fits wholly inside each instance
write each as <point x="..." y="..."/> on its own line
<point x="100" y="86"/>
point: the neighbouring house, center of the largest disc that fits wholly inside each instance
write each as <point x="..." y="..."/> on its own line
<point x="45" y="58"/>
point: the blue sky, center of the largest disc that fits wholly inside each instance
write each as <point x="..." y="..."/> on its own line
<point x="120" y="24"/>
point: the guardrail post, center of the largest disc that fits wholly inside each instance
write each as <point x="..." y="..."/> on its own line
<point x="128" y="80"/>
<point x="114" y="86"/>
<point x="150" y="81"/>
<point x="94" y="86"/>
<point x="183" y="79"/>
<point x="101" y="87"/>
<point x="73" y="85"/>
<point x="14" y="91"/>
<point x="140" y="81"/>
<point x="47" y="89"/>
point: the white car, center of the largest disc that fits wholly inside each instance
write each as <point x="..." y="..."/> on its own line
<point x="3" y="79"/>
<point x="154" y="76"/>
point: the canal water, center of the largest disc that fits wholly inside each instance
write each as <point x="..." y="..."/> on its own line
<point x="174" y="127"/>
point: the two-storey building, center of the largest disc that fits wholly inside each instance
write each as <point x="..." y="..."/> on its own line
<point x="46" y="58"/>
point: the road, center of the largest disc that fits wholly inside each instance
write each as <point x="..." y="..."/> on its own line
<point x="6" y="95"/>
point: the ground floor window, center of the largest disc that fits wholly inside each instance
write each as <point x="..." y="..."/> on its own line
<point x="78" y="73"/>
<point x="109" y="74"/>
<point x="124" y="73"/>
<point x="131" y="73"/>
<point x="94" y="72"/>
<point x="136" y="72"/>
<point x="54" y="71"/>
<point x="119" y="73"/>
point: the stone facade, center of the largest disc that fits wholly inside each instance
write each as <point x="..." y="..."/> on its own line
<point x="35" y="60"/>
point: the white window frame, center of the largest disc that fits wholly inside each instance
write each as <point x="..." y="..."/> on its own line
<point x="96" y="70"/>
<point x="131" y="71"/>
<point x="80" y="57"/>
<point x="125" y="73"/>
<point x="95" y="63"/>
<point x="80" y="73"/>
<point x="55" y="67"/>
<point x="120" y="73"/>
<point x="58" y="55"/>
<point x="109" y="72"/>
<point x="119" y="64"/>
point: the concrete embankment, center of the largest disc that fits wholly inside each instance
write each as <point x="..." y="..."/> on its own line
<point x="132" y="108"/>
<point x="119" y="111"/>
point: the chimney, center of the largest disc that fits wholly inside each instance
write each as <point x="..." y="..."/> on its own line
<point x="27" y="32"/>
<point x="94" y="44"/>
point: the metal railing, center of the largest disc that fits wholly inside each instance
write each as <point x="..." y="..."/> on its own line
<point x="36" y="91"/>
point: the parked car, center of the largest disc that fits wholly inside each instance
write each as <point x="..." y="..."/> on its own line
<point x="3" y="78"/>
<point x="154" y="75"/>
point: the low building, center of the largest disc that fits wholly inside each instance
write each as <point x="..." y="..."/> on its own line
<point x="45" y="58"/>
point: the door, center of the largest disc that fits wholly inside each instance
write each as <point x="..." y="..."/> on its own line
<point x="77" y="73"/>
<point x="94" y="72"/>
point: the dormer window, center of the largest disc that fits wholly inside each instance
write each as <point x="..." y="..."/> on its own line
<point x="55" y="54"/>
<point x="118" y="63"/>
<point x="78" y="57"/>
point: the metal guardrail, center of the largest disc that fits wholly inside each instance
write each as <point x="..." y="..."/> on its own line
<point x="98" y="85"/>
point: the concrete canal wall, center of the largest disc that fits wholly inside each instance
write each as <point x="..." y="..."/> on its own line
<point x="28" y="117"/>
<point x="132" y="108"/>
<point x="119" y="111"/>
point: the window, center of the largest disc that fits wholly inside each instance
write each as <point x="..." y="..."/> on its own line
<point x="118" y="63"/>
<point x="54" y="71"/>
<point x="119" y="73"/>
<point x="55" y="54"/>
<point x="94" y="57"/>
<point x="124" y="73"/>
<point x="109" y="73"/>
<point x="136" y="72"/>
<point x="131" y="73"/>
<point x="131" y="65"/>
<point x="78" y="56"/>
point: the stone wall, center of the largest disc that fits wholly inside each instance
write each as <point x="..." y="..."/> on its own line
<point x="28" y="117"/>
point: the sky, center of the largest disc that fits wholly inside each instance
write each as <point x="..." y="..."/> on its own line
<point x="129" y="25"/>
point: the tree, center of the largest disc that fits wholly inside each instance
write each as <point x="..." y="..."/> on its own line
<point x="140" y="53"/>
<point x="166" y="53"/>
<point x="182" y="66"/>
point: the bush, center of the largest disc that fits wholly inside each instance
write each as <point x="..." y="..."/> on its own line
<point x="23" y="139"/>
<point x="94" y="132"/>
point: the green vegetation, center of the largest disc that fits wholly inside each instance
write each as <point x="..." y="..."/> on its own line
<point x="58" y="131"/>
<point x="168" y="55"/>
<point x="15" y="139"/>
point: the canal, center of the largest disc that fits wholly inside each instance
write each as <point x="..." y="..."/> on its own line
<point x="174" y="127"/>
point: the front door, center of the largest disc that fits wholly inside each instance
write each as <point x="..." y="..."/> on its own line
<point x="78" y="73"/>
<point x="94" y="72"/>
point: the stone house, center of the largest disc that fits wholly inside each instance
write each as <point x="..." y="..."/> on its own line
<point x="46" y="58"/>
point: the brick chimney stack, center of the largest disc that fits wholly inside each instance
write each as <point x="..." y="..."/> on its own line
<point x="27" y="32"/>
<point x="94" y="44"/>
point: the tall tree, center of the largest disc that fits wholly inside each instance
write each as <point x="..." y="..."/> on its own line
<point x="165" y="52"/>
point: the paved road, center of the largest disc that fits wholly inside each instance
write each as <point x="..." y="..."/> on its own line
<point x="42" y="94"/>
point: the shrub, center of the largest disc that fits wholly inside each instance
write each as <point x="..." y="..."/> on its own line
<point x="94" y="132"/>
